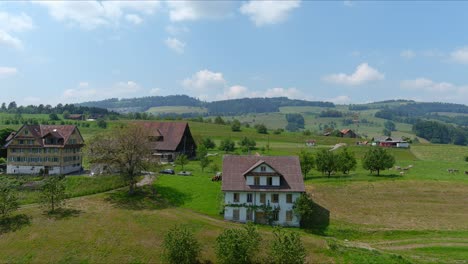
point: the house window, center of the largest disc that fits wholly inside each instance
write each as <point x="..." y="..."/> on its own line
<point x="289" y="198"/>
<point x="275" y="198"/>
<point x="262" y="198"/>
<point x="26" y="132"/>
<point x="289" y="216"/>
<point x="236" y="197"/>
<point x="275" y="216"/>
<point x="249" y="216"/>
<point x="263" y="168"/>
<point x="270" y="181"/>
<point x="249" y="197"/>
<point x="257" y="181"/>
<point x="21" y="142"/>
<point x="235" y="214"/>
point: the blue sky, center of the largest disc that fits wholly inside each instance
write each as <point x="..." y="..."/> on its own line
<point x="339" y="51"/>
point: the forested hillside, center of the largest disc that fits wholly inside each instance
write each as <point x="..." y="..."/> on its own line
<point x="225" y="107"/>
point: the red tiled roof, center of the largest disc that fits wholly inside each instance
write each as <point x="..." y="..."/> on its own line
<point x="345" y="131"/>
<point x="40" y="131"/>
<point x="234" y="168"/>
<point x="172" y="133"/>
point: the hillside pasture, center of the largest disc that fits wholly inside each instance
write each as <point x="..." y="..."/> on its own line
<point x="157" y="110"/>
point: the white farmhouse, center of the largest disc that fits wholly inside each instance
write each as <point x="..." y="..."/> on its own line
<point x="262" y="189"/>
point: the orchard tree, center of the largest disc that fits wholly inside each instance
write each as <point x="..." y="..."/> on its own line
<point x="227" y="145"/>
<point x="8" y="200"/>
<point x="237" y="245"/>
<point x="377" y="159"/>
<point x="286" y="248"/>
<point x="326" y="161"/>
<point x="307" y="162"/>
<point x="127" y="148"/>
<point x="236" y="125"/>
<point x="303" y="208"/>
<point x="208" y="143"/>
<point x="181" y="246"/>
<point x="261" y="129"/>
<point x="53" y="192"/>
<point x="181" y="160"/>
<point x="247" y="144"/>
<point x="346" y="161"/>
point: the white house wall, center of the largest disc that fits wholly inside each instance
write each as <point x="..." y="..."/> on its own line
<point x="284" y="206"/>
<point x="13" y="169"/>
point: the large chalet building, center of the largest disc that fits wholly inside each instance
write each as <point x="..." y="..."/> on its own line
<point x="46" y="149"/>
<point x="170" y="139"/>
<point x="252" y="183"/>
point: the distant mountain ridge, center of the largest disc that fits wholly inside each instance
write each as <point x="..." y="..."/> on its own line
<point x="224" y="107"/>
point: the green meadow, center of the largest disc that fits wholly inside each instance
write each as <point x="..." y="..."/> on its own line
<point x="418" y="217"/>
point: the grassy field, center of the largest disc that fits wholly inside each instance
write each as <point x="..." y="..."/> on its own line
<point x="420" y="217"/>
<point x="176" y="110"/>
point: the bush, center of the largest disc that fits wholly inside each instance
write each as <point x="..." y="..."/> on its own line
<point x="181" y="246"/>
<point x="227" y="145"/>
<point x="236" y="126"/>
<point x="237" y="245"/>
<point x="303" y="208"/>
<point x="286" y="248"/>
<point x="208" y="143"/>
<point x="247" y="144"/>
<point x="261" y="129"/>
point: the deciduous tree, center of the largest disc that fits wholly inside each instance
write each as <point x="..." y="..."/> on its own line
<point x="181" y="246"/>
<point x="326" y="161"/>
<point x="237" y="245"/>
<point x="8" y="200"/>
<point x="377" y="159"/>
<point x="286" y="248"/>
<point x="127" y="149"/>
<point x="181" y="160"/>
<point x="346" y="161"/>
<point x="53" y="192"/>
<point x="307" y="162"/>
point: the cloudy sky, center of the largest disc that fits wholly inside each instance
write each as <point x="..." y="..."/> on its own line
<point x="339" y="51"/>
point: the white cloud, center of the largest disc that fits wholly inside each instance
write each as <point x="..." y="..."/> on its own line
<point x="460" y="55"/>
<point x="348" y="3"/>
<point x="175" y="45"/>
<point x="408" y="54"/>
<point x="83" y="91"/>
<point x="195" y="10"/>
<point x="363" y="74"/>
<point x="268" y="12"/>
<point x="128" y="87"/>
<point x="234" y="92"/>
<point x="291" y="93"/>
<point x="154" y="91"/>
<point x="341" y="99"/>
<point x="13" y="24"/>
<point x="176" y="30"/>
<point x="428" y="85"/>
<point x="135" y="19"/>
<point x="7" y="71"/>
<point x="92" y="14"/>
<point x="430" y="90"/>
<point x="205" y="80"/>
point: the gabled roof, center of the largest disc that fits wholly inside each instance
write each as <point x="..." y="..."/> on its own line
<point x="388" y="139"/>
<point x="172" y="133"/>
<point x="235" y="167"/>
<point x="41" y="131"/>
<point x="260" y="162"/>
<point x="345" y="131"/>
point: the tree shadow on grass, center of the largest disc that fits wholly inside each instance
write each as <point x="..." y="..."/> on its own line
<point x="319" y="222"/>
<point x="13" y="223"/>
<point x="389" y="176"/>
<point x="148" y="198"/>
<point x="330" y="177"/>
<point x="63" y="213"/>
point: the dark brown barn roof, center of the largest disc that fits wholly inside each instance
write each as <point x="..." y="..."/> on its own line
<point x="172" y="133"/>
<point x="40" y="131"/>
<point x="235" y="167"/>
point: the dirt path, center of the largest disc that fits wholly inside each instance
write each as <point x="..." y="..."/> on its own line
<point x="147" y="180"/>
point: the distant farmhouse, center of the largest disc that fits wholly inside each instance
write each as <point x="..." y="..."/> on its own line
<point x="348" y="133"/>
<point x="170" y="139"/>
<point x="310" y="143"/>
<point x="254" y="185"/>
<point x="46" y="149"/>
<point x="76" y="117"/>
<point x="390" y="142"/>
